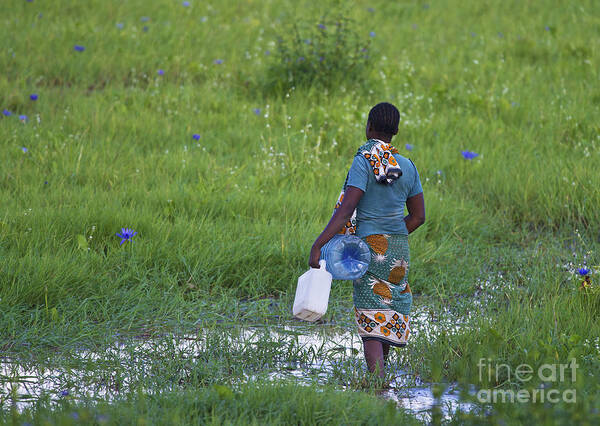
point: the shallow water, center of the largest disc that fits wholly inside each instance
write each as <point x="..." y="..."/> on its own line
<point x="307" y="354"/>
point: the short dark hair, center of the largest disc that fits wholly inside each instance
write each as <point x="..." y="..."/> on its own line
<point x="384" y="117"/>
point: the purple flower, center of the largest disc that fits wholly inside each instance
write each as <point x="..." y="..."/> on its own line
<point x="6" y="112"/>
<point x="120" y="25"/>
<point x="218" y="61"/>
<point x="24" y="150"/>
<point x="469" y="155"/>
<point x="321" y="59"/>
<point x="473" y="34"/>
<point x="64" y="393"/>
<point x="126" y="235"/>
<point x="145" y="28"/>
<point x="301" y="59"/>
<point x="408" y="147"/>
<point x="547" y="28"/>
<point x="322" y="26"/>
<point x="161" y="72"/>
<point x="267" y="52"/>
<point x="33" y="97"/>
<point x="256" y="111"/>
<point x="144" y="19"/>
<point x="185" y="3"/>
<point x="23" y="118"/>
<point x="196" y="136"/>
<point x="79" y="48"/>
<point x="370" y="9"/>
<point x="583" y="271"/>
<point x="372" y="34"/>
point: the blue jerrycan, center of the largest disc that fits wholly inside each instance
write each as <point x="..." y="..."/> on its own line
<point x="347" y="257"/>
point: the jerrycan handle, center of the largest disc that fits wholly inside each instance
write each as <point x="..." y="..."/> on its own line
<point x="322" y="264"/>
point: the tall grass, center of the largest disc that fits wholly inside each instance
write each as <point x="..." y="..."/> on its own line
<point x="232" y="215"/>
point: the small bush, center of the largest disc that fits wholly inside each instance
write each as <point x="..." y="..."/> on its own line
<point x="321" y="53"/>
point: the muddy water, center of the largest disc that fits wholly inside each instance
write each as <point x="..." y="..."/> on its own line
<point x="321" y="356"/>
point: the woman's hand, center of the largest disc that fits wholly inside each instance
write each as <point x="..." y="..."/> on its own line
<point x="315" y="256"/>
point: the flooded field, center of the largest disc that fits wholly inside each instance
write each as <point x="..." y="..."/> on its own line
<point x="299" y="352"/>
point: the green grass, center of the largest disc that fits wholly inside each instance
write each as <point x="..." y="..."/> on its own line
<point x="267" y="404"/>
<point x="231" y="217"/>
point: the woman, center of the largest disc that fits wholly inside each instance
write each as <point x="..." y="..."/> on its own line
<point x="380" y="182"/>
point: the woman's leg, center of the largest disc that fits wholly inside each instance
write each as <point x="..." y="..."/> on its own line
<point x="374" y="356"/>
<point x="386" y="352"/>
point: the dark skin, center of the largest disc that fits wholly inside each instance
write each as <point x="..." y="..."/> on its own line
<point x="376" y="352"/>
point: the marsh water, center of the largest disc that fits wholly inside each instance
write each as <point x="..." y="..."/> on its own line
<point x="299" y="352"/>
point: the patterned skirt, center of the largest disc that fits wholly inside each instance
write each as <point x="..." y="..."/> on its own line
<point x="382" y="297"/>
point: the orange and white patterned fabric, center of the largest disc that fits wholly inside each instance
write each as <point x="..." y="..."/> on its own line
<point x="382" y="297"/>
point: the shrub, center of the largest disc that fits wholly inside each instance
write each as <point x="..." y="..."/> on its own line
<point x="321" y="53"/>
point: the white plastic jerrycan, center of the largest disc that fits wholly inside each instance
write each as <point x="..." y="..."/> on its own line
<point x="312" y="293"/>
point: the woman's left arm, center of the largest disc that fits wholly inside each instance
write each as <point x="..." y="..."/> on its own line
<point x="342" y="215"/>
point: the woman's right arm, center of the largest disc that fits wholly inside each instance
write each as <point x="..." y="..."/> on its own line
<point x="416" y="212"/>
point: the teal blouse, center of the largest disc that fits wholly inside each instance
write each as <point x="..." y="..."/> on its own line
<point x="381" y="208"/>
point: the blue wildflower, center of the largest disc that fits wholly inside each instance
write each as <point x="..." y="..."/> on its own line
<point x="321" y="26"/>
<point x="301" y="59"/>
<point x="120" y="25"/>
<point x="161" y="72"/>
<point x="370" y="9"/>
<point x="256" y="111"/>
<point x="469" y="155"/>
<point x="145" y="28"/>
<point x="218" y="61"/>
<point x="23" y="118"/>
<point x="126" y="235"/>
<point x="547" y="28"/>
<point x="24" y="150"/>
<point x="473" y="34"/>
<point x="185" y="3"/>
<point x="372" y="34"/>
<point x="64" y="393"/>
<point x="408" y="147"/>
<point x="500" y="35"/>
<point x="583" y="271"/>
<point x="33" y="97"/>
<point x="79" y="48"/>
<point x="321" y="59"/>
<point x="6" y="112"/>
<point x="267" y="52"/>
<point x="144" y="19"/>
<point x="196" y="136"/>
